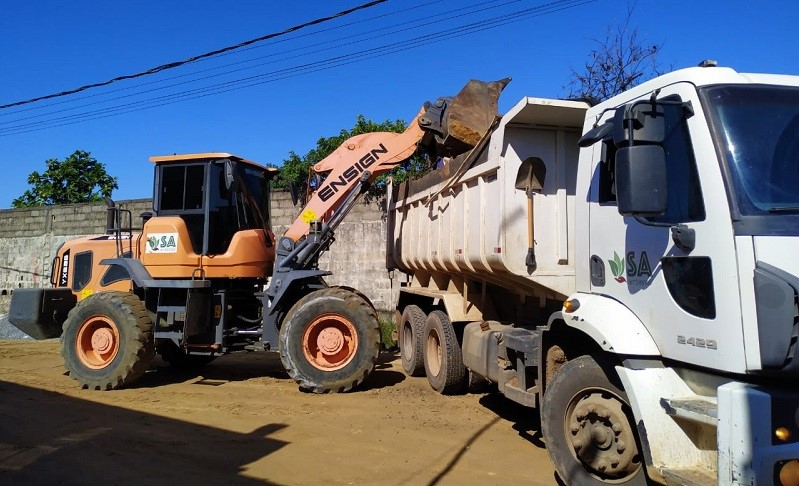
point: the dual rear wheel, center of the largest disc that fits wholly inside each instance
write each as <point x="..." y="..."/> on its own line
<point x="429" y="344"/>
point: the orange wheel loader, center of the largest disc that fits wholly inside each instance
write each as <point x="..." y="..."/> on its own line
<point x="205" y="275"/>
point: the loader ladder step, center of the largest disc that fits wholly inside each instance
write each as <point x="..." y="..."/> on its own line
<point x="692" y="409"/>
<point x="688" y="477"/>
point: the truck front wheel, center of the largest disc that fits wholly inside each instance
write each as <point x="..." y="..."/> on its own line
<point x="443" y="362"/>
<point x="585" y="421"/>
<point x="107" y="341"/>
<point x="329" y="341"/>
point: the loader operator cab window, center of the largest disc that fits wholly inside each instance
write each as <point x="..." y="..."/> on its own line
<point x="181" y="194"/>
<point x="236" y="202"/>
<point x="242" y="206"/>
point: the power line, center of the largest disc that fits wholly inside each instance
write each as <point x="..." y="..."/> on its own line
<point x="175" y="64"/>
<point x="316" y="49"/>
<point x="425" y="3"/>
<point x="301" y="69"/>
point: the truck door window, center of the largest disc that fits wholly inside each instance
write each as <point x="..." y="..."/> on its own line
<point x="607" y="173"/>
<point x="685" y="202"/>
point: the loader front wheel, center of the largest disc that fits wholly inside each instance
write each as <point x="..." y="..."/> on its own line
<point x="107" y="341"/>
<point x="410" y="340"/>
<point x="443" y="362"/>
<point x="329" y="341"/>
<point x="585" y="421"/>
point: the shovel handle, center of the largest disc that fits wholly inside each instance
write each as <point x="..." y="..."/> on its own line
<point x="530" y="229"/>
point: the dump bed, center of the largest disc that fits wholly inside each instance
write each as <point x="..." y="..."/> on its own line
<point x="471" y="222"/>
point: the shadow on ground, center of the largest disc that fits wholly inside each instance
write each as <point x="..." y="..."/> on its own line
<point x="48" y="438"/>
<point x="248" y="365"/>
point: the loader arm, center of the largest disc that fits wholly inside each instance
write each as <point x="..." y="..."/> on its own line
<point x="368" y="153"/>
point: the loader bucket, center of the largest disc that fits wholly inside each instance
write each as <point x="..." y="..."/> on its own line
<point x="458" y="123"/>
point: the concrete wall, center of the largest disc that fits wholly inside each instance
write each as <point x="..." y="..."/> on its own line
<point x="30" y="237"/>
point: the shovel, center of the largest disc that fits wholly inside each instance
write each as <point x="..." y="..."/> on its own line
<point x="530" y="179"/>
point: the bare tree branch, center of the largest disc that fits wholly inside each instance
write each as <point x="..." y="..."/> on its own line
<point x="620" y="61"/>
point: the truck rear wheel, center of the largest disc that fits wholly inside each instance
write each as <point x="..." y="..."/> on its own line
<point x="443" y="362"/>
<point x="410" y="340"/>
<point x="329" y="341"/>
<point x="585" y="421"/>
<point x="107" y="341"/>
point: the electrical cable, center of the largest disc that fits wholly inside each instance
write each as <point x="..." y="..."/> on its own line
<point x="314" y="47"/>
<point x="302" y="69"/>
<point x="175" y="64"/>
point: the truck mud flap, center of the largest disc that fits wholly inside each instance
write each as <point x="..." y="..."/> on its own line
<point x="40" y="313"/>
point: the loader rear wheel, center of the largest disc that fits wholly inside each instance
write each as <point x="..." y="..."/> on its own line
<point x="585" y="421"/>
<point x="329" y="341"/>
<point x="410" y="340"/>
<point x="443" y="362"/>
<point x="107" y="341"/>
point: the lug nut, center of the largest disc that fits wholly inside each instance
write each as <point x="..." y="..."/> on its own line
<point x="621" y="446"/>
<point x="575" y="428"/>
<point x="616" y="428"/>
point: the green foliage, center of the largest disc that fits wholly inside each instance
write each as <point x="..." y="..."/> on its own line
<point x="77" y="179"/>
<point x="388" y="329"/>
<point x="295" y="169"/>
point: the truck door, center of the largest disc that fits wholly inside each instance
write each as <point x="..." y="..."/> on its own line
<point x="676" y="271"/>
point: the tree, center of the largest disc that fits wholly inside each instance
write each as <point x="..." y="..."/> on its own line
<point x="620" y="61"/>
<point x="77" y="179"/>
<point x="295" y="169"/>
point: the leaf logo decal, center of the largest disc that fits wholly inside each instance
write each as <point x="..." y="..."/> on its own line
<point x="617" y="268"/>
<point x="153" y="242"/>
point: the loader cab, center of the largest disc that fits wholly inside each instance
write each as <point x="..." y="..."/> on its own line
<point x="211" y="210"/>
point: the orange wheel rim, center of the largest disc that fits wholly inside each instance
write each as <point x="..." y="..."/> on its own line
<point x="329" y="342"/>
<point x="97" y="342"/>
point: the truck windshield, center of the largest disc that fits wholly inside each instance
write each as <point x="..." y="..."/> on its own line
<point x="757" y="128"/>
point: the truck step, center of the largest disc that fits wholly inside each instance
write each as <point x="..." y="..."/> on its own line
<point x="523" y="340"/>
<point x="528" y="398"/>
<point x="689" y="477"/>
<point x="693" y="409"/>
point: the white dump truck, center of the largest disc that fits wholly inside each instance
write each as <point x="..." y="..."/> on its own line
<point x="629" y="270"/>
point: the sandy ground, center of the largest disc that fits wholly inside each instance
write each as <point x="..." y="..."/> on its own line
<point x="240" y="420"/>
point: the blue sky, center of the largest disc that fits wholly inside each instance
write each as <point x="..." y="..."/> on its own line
<point x="50" y="45"/>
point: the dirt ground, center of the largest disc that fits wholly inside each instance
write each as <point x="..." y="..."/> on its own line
<point x="241" y="420"/>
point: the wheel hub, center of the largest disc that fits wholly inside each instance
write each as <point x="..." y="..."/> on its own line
<point x="97" y="342"/>
<point x="601" y="438"/>
<point x="102" y="340"/>
<point x="330" y="341"/>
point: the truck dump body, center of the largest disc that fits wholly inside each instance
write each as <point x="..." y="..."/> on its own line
<point x="471" y="221"/>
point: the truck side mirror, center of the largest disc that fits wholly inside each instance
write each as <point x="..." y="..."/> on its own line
<point x="641" y="180"/>
<point x="641" y="122"/>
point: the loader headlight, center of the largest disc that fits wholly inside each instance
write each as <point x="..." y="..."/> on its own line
<point x="788" y="473"/>
<point x="783" y="434"/>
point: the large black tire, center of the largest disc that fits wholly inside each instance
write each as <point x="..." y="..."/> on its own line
<point x="329" y="341"/>
<point x="178" y="358"/>
<point x="443" y="362"/>
<point x="585" y="421"/>
<point x="107" y="341"/>
<point x="411" y="343"/>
